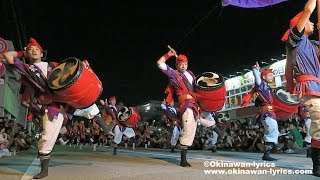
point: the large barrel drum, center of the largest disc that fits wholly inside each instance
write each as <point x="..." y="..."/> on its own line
<point x="74" y="83"/>
<point x="285" y="104"/>
<point x="128" y="116"/>
<point x="210" y="86"/>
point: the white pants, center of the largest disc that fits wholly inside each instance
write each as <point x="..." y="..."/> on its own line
<point x="189" y="125"/>
<point x="4" y="152"/>
<point x="89" y="112"/>
<point x="129" y="132"/>
<point x="308" y="124"/>
<point x="175" y="136"/>
<point x="271" y="133"/>
<point x="312" y="103"/>
<point x="62" y="142"/>
<point x="214" y="138"/>
<point x="207" y="119"/>
<point x="50" y="133"/>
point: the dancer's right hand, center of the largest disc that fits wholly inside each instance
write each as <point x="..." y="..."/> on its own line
<point x="172" y="52"/>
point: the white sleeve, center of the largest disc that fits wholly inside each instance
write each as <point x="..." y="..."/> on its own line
<point x="257" y="76"/>
<point x="163" y="66"/>
<point x="89" y="112"/>
<point x="163" y="106"/>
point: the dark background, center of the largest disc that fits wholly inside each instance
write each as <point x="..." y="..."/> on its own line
<point x="123" y="39"/>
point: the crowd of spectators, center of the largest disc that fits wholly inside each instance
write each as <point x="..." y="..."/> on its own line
<point x="240" y="135"/>
<point x="14" y="138"/>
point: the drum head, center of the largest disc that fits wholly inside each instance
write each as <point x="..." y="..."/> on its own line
<point x="209" y="80"/>
<point x="285" y="97"/>
<point x="123" y="114"/>
<point x="65" y="74"/>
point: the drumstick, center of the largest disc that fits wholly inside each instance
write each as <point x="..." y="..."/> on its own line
<point x="172" y="50"/>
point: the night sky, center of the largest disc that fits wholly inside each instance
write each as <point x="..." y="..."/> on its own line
<point x="123" y="39"/>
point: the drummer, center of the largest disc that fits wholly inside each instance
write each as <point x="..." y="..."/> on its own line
<point x="119" y="129"/>
<point x="303" y="66"/>
<point x="267" y="114"/>
<point x="35" y="75"/>
<point x="38" y="97"/>
<point x="182" y="81"/>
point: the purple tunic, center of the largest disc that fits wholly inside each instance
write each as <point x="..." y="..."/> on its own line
<point x="265" y="91"/>
<point x="302" y="59"/>
<point x="174" y="79"/>
<point x="39" y="88"/>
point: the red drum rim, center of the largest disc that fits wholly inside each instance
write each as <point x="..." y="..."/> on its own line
<point x="281" y="88"/>
<point x="209" y="75"/>
<point x="75" y="76"/>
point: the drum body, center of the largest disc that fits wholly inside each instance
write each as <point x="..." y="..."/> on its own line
<point x="128" y="116"/>
<point x="285" y="104"/>
<point x="73" y="82"/>
<point x="210" y="86"/>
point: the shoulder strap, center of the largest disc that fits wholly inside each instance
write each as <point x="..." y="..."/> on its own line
<point x="182" y="82"/>
<point x="247" y="98"/>
<point x="264" y="99"/>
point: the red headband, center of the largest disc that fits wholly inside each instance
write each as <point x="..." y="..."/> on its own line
<point x="33" y="42"/>
<point x="181" y="58"/>
<point x="293" y="23"/>
<point x="266" y="72"/>
<point x="112" y="98"/>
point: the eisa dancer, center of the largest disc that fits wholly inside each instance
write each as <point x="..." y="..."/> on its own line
<point x="120" y="128"/>
<point x="51" y="107"/>
<point x="35" y="75"/>
<point x="303" y="66"/>
<point x="267" y="115"/>
<point x="183" y="80"/>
